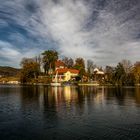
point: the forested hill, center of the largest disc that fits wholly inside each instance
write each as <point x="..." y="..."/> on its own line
<point x="8" y="71"/>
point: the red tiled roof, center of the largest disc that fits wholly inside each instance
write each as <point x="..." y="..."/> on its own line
<point x="59" y="63"/>
<point x="64" y="70"/>
<point x="137" y="63"/>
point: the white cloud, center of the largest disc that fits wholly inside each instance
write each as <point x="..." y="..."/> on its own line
<point x="10" y="55"/>
<point x="3" y="23"/>
<point x="80" y="28"/>
<point x="7" y="50"/>
<point x="65" y="22"/>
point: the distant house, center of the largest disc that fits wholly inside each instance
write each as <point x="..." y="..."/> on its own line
<point x="65" y="74"/>
<point x="59" y="65"/>
<point x="98" y="74"/>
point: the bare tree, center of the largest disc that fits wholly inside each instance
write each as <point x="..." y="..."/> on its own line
<point x="127" y="65"/>
<point x="90" y="66"/>
<point x="68" y="62"/>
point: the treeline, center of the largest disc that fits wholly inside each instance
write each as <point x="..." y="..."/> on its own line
<point x="125" y="73"/>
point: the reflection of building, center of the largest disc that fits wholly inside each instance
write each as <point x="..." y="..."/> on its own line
<point x="65" y="74"/>
<point x="13" y="82"/>
<point x="63" y="94"/>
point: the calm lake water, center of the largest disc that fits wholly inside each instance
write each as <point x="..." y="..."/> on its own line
<point x="44" y="112"/>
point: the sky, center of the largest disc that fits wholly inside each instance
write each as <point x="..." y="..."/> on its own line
<point x="105" y="31"/>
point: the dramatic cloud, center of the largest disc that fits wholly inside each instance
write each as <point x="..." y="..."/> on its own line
<point x="106" y="31"/>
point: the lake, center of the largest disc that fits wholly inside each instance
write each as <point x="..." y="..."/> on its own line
<point x="70" y="112"/>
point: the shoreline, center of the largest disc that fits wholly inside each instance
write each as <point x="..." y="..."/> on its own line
<point x="75" y="84"/>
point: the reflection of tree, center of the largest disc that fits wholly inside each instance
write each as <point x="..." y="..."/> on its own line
<point x="60" y="102"/>
<point x="80" y="97"/>
<point x="50" y="107"/>
<point x="120" y="95"/>
<point x="137" y="94"/>
<point x="115" y="94"/>
<point x="29" y="96"/>
<point x="87" y="94"/>
<point x="123" y="95"/>
<point x="49" y="100"/>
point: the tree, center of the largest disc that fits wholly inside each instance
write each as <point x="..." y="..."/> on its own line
<point x="49" y="59"/>
<point x="136" y="72"/>
<point x="68" y="62"/>
<point x="119" y="74"/>
<point x="38" y="60"/>
<point x="126" y="65"/>
<point x="90" y="68"/>
<point x="109" y="72"/>
<point x="80" y="65"/>
<point x="30" y="69"/>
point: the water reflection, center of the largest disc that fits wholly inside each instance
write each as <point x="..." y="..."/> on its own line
<point x="30" y="96"/>
<point x="45" y="112"/>
<point x="123" y="95"/>
<point x="53" y="103"/>
<point x="137" y="95"/>
<point x="52" y="97"/>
